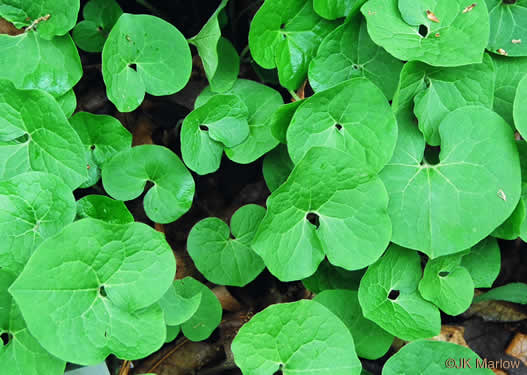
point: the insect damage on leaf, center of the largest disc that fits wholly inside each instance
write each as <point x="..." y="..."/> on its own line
<point x="431" y="16"/>
<point x="469" y="8"/>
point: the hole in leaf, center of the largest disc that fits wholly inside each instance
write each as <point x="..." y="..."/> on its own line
<point x="444" y="273"/>
<point x="393" y="294"/>
<point x="102" y="291"/>
<point x="431" y="155"/>
<point x="204" y="128"/>
<point x="423" y="31"/>
<point x="338" y="126"/>
<point x="105" y="334"/>
<point x="313" y="218"/>
<point x="92" y="147"/>
<point x="6" y="338"/>
<point x="22" y="139"/>
<point x="355" y="67"/>
<point x="282" y="26"/>
<point x="133" y="66"/>
<point x="99" y="29"/>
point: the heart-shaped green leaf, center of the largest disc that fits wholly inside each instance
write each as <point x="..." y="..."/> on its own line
<point x="208" y="315"/>
<point x="49" y="17"/>
<point x="103" y="137"/>
<point x="329" y="276"/>
<point x="483" y="262"/>
<point x="286" y="34"/>
<point x="103" y="208"/>
<point x="261" y="101"/>
<point x="99" y="18"/>
<point x="509" y="72"/>
<point x="33" y="207"/>
<point x="447" y="284"/>
<point x="179" y="308"/>
<point x="39" y="136"/>
<point x="371" y="341"/>
<point x="224" y="260"/>
<point x="98" y="295"/>
<point x="348" y="52"/>
<point x="333" y="9"/>
<point x="142" y="54"/>
<point x="388" y="295"/>
<point x="439" y="33"/>
<point x="50" y="65"/>
<point x="220" y="122"/>
<point x="435" y="92"/>
<point x="305" y="337"/>
<point x="435" y="357"/>
<point x="22" y="355"/>
<point x="508" y="31"/>
<point x="457" y="202"/>
<point x="126" y="174"/>
<point x="331" y="204"/>
<point x="341" y="118"/>
<point x="277" y="166"/>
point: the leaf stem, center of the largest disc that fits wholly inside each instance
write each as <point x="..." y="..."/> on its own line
<point x="37" y="21"/>
<point x="294" y="95"/>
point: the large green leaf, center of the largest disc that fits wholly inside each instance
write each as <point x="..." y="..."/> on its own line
<point x="508" y="30"/>
<point x="261" y="101"/>
<point x="103" y="208"/>
<point x="297" y="337"/>
<point x="447" y="284"/>
<point x="435" y="357"/>
<point x="331" y="205"/>
<point x="286" y="34"/>
<point x="483" y="262"/>
<point x="520" y="107"/>
<point x="103" y="137"/>
<point x="99" y="18"/>
<point x="39" y="136"/>
<point x="349" y="52"/>
<point x="33" y="207"/>
<point x="142" y="54"/>
<point x="509" y="72"/>
<point x="223" y="259"/>
<point x="371" y="341"/>
<point x="126" y="174"/>
<point x="448" y="207"/>
<point x="333" y="9"/>
<point x="353" y="116"/>
<point x="49" y="17"/>
<point x="220" y="122"/>
<point x="31" y="62"/>
<point x="96" y="286"/>
<point x="22" y="355"/>
<point x="405" y="30"/>
<point x="388" y="295"/>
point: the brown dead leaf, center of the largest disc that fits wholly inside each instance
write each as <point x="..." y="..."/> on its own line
<point x="469" y="8"/>
<point x="431" y="16"/>
<point x="8" y="28"/>
<point x="142" y="131"/>
<point x="496" y="311"/>
<point x="453" y="334"/>
<point x="518" y="347"/>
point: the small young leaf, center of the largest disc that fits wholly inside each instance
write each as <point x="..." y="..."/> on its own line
<point x="428" y="357"/>
<point x="99" y="18"/>
<point x="172" y="333"/>
<point x="179" y="308"/>
<point x="103" y="208"/>
<point x="405" y="31"/>
<point x="282" y="118"/>
<point x="126" y="174"/>
<point x="348" y="52"/>
<point x="142" y="54"/>
<point x="507" y="28"/>
<point x="49" y="17"/>
<point x="103" y="136"/>
<point x="509" y="72"/>
<point x="286" y="35"/>
<point x="33" y="207"/>
<point x="223" y="260"/>
<point x="50" y="65"/>
<point x="483" y="262"/>
<point x="96" y="286"/>
<point x="464" y="197"/>
<point x="261" y="101"/>
<point x="332" y="277"/>
<point x="277" y="166"/>
<point x="228" y="67"/>
<point x="333" y="9"/>
<point x="22" y="355"/>
<point x="51" y="145"/>
<point x="447" y="285"/>
<point x="297" y="337"/>
<point x="220" y="122"/>
<point x="68" y="103"/>
<point x="388" y="295"/>
<point x="332" y="205"/>
<point x="513" y="292"/>
<point x="208" y="315"/>
<point x="371" y="341"/>
<point x="341" y="118"/>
